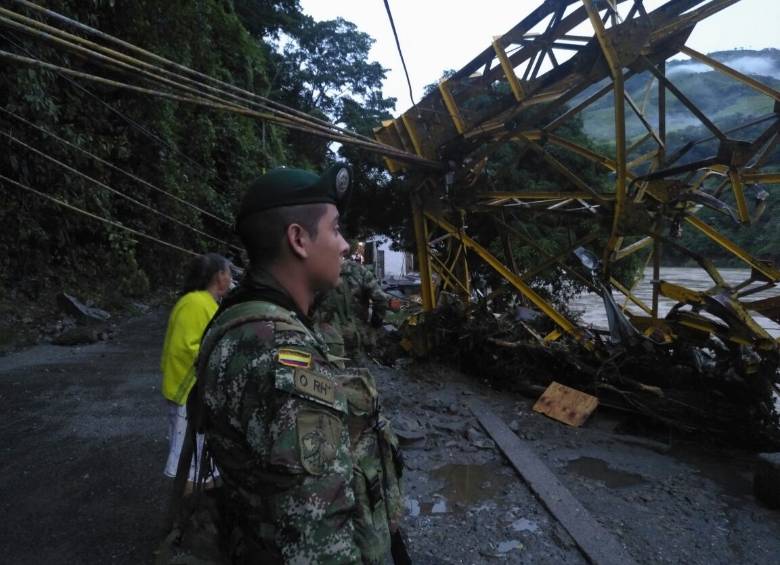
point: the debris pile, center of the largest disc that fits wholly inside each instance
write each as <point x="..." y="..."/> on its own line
<point x="724" y="390"/>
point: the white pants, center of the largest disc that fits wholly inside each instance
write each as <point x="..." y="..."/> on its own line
<point x="177" y="431"/>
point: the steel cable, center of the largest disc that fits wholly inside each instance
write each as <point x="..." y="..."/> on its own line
<point x="237" y="93"/>
<point x="115" y="191"/>
<point x="95" y="216"/>
<point x="112" y="166"/>
<point x="134" y="124"/>
<point x="383" y="149"/>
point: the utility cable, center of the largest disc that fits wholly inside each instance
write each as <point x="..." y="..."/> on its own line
<point x="145" y="131"/>
<point x="114" y="167"/>
<point x="95" y="216"/>
<point x="291" y="112"/>
<point x="115" y="191"/>
<point x="400" y="52"/>
<point x="382" y="149"/>
<point x="326" y="130"/>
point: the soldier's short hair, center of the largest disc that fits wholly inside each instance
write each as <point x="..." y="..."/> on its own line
<point x="263" y="233"/>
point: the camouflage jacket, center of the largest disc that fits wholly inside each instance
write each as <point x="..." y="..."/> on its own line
<point x="310" y="468"/>
<point x="342" y="313"/>
<point x="364" y="289"/>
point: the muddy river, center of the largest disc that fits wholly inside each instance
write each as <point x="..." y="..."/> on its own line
<point x="592" y="307"/>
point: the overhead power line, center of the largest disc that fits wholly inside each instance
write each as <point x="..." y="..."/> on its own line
<point x="200" y="89"/>
<point x="95" y="216"/>
<point x="114" y="167"/>
<point x="400" y="51"/>
<point x="119" y="193"/>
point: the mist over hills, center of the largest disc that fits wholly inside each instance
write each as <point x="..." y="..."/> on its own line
<point x="720" y="97"/>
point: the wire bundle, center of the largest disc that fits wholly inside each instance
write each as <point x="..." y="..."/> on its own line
<point x="132" y="68"/>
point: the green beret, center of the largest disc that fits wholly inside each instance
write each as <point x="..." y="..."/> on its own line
<point x="292" y="187"/>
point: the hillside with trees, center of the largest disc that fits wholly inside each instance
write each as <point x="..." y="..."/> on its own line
<point x="205" y="158"/>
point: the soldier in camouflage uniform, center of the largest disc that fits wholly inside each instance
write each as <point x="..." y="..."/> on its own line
<point x="311" y="468"/>
<point x="344" y="315"/>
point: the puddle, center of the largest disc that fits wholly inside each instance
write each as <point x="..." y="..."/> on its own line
<point x="464" y="487"/>
<point x="599" y="470"/>
<point x="469" y="484"/>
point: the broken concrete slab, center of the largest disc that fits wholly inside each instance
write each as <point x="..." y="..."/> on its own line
<point x="73" y="306"/>
<point x="597" y="544"/>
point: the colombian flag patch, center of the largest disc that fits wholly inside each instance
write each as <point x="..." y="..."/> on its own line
<point x="294" y="358"/>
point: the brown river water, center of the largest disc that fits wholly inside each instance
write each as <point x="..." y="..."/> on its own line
<point x="592" y="307"/>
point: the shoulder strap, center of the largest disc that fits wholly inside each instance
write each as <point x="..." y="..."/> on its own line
<point x="238" y="315"/>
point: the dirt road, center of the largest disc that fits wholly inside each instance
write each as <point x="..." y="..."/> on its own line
<point x="83" y="445"/>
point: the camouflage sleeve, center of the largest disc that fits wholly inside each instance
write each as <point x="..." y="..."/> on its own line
<point x="298" y="468"/>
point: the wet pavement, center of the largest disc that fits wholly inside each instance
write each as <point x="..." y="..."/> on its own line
<point x="84" y="444"/>
<point x="665" y="499"/>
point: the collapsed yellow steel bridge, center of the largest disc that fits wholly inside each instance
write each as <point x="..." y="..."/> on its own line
<point x="553" y="65"/>
<point x="563" y="58"/>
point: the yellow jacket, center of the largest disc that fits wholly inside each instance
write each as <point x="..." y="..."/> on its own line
<point x="188" y="320"/>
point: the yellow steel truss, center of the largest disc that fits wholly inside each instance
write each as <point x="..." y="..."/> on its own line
<point x="652" y="191"/>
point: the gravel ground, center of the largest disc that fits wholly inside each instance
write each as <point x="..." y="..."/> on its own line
<point x="84" y="445"/>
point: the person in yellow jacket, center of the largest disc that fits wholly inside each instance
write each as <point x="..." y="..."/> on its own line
<point x="207" y="281"/>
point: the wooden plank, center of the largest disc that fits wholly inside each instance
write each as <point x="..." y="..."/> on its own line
<point x="566" y="404"/>
<point x="595" y="542"/>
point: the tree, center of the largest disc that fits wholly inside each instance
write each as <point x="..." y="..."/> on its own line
<point x="269" y="18"/>
<point x="203" y="157"/>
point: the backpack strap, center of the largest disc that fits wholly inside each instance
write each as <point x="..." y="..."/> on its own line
<point x="254" y="311"/>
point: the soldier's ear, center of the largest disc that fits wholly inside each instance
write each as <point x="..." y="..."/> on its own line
<point x="298" y="240"/>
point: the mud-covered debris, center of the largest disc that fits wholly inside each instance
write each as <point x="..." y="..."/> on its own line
<point x="402" y="362"/>
<point x="80" y="336"/>
<point x="478" y="439"/>
<point x="509" y="545"/>
<point x="703" y="387"/>
<point x="409" y="431"/>
<point x="412" y="507"/>
<point x="140" y="307"/>
<point x="449" y="425"/>
<point x="525" y="525"/>
<point x="502" y="549"/>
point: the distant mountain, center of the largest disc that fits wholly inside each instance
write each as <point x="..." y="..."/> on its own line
<point x="720" y="97"/>
<point x="728" y="103"/>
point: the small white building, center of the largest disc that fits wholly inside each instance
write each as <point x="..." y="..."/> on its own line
<point x="388" y="262"/>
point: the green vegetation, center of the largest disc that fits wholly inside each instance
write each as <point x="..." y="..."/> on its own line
<point x="207" y="157"/>
<point x="719" y="97"/>
<point x="204" y="157"/>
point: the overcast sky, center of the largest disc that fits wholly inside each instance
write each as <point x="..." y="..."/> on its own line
<point x="442" y="34"/>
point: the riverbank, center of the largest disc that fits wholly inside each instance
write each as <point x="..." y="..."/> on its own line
<point x="84" y="445"/>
